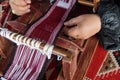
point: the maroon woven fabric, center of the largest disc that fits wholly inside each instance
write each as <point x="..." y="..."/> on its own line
<point x="28" y="63"/>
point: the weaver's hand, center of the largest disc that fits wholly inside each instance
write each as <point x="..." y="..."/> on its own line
<point x="20" y="7"/>
<point x="83" y="26"/>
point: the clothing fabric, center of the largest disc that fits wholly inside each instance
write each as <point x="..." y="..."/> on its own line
<point x="109" y="11"/>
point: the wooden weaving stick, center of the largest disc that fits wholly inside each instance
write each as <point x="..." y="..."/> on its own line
<point x="17" y="38"/>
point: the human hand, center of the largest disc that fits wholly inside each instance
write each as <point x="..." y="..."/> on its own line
<point x="20" y="7"/>
<point x="84" y="26"/>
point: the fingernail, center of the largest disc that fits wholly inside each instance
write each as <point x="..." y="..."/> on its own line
<point x="65" y="23"/>
<point x="28" y="6"/>
<point x="28" y="10"/>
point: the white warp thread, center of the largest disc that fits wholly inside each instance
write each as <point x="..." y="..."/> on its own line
<point x="33" y="44"/>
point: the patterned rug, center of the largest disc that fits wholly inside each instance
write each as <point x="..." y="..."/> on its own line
<point x="105" y="65"/>
<point x="110" y="69"/>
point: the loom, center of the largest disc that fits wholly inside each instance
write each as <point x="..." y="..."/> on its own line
<point x="73" y="51"/>
<point x="20" y="39"/>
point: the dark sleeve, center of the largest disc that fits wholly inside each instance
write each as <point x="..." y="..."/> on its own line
<point x="109" y="35"/>
<point x="117" y="2"/>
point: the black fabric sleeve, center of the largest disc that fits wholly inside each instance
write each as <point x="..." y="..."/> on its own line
<point x="109" y="35"/>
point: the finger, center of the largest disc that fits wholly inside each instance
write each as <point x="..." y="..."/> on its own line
<point x="15" y="7"/>
<point x="83" y="31"/>
<point x="20" y="8"/>
<point x="72" y="21"/>
<point x="27" y="7"/>
<point x="19" y="12"/>
<point x="28" y="1"/>
<point x="19" y="2"/>
<point x="73" y="32"/>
